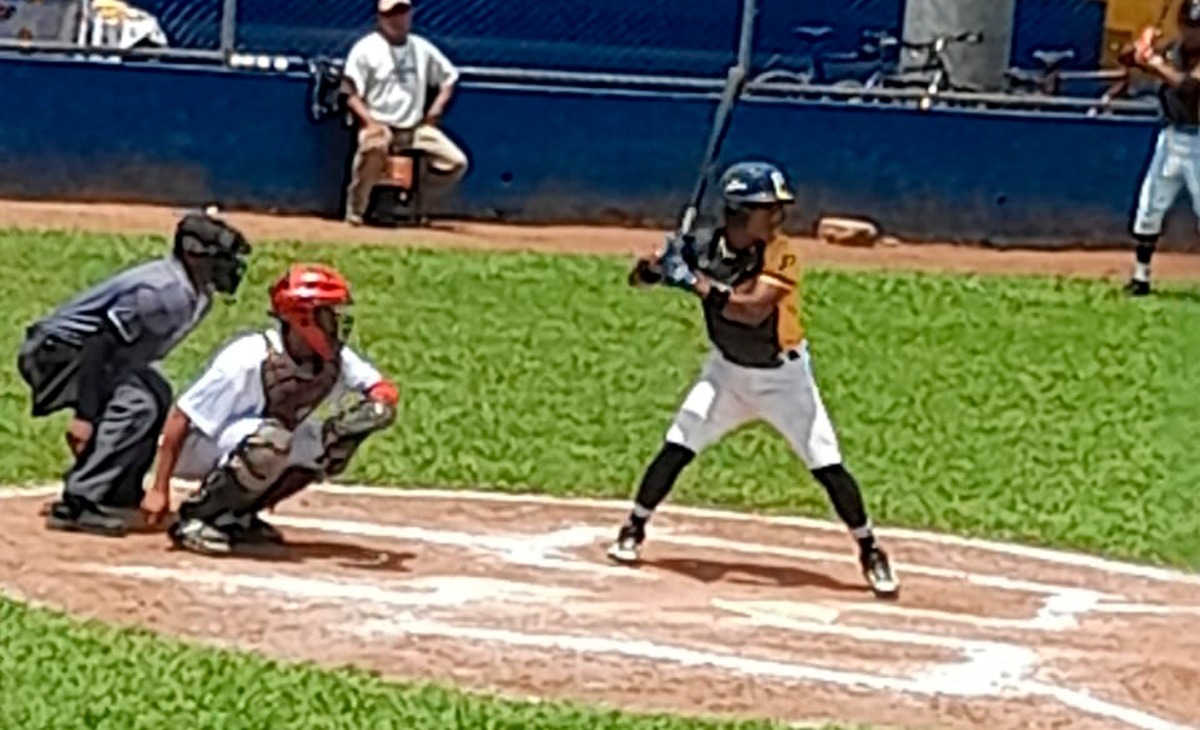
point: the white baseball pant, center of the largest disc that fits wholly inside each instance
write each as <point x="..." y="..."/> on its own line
<point x="200" y="454"/>
<point x="1174" y="166"/>
<point x="727" y="396"/>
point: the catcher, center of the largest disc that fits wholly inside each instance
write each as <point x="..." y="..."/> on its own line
<point x="745" y="275"/>
<point x="247" y="427"/>
<point x="1176" y="161"/>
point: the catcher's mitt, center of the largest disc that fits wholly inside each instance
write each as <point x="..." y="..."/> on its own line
<point x="345" y="430"/>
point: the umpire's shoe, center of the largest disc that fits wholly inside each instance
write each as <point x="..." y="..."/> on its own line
<point x="1137" y="288"/>
<point x="877" y="569"/>
<point x="626" y="549"/>
<point x="72" y="514"/>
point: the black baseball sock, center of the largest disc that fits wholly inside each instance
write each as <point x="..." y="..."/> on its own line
<point x="656" y="484"/>
<point x="1144" y="254"/>
<point x="847" y="501"/>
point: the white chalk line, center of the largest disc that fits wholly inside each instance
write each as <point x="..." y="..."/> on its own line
<point x="10" y="492"/>
<point x="1060" y="557"/>
<point x="546" y="551"/>
<point x="406" y="623"/>
<point x="537" y="550"/>
<point x="1035" y="553"/>
<point x="1060" y="609"/>
<point x="1086" y="702"/>
<point x="424" y="591"/>
<point x="993" y="665"/>
<point x="1083" y="701"/>
<point x="993" y="668"/>
<point x="992" y="581"/>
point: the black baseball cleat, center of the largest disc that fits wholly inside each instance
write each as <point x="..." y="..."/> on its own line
<point x="877" y="569"/>
<point x="1137" y="288"/>
<point x="77" y="515"/>
<point x="253" y="530"/>
<point x="626" y="549"/>
<point x="198" y="536"/>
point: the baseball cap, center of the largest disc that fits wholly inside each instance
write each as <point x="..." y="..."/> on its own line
<point x="387" y="6"/>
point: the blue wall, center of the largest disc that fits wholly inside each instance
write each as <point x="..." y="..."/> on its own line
<point x="947" y="175"/>
<point x="689" y="37"/>
<point x="165" y="135"/>
<point x="189" y="136"/>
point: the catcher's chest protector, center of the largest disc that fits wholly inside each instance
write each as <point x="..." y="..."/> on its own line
<point x="291" y="392"/>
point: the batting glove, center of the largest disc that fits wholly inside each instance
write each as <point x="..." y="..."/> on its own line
<point x="675" y="270"/>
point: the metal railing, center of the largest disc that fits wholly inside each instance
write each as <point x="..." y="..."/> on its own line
<point x="228" y="55"/>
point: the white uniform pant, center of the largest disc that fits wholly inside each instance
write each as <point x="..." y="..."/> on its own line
<point x="1175" y="165"/>
<point x="726" y="396"/>
<point x="201" y="454"/>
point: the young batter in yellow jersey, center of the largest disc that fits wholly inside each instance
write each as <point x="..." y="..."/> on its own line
<point x="746" y="275"/>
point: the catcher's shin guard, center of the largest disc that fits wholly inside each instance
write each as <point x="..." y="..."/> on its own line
<point x="254" y="467"/>
<point x="294" y="480"/>
<point x="218" y="494"/>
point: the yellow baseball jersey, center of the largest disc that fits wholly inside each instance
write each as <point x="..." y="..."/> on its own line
<point x="764" y="344"/>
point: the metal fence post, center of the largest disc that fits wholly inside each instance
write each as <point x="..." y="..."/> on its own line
<point x="228" y="27"/>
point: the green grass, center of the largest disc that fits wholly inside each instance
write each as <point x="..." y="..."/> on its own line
<point x="65" y="675"/>
<point x="1047" y="411"/>
<point x="1041" y="410"/>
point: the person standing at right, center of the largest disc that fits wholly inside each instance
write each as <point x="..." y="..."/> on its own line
<point x="1176" y="161"/>
<point x="388" y="75"/>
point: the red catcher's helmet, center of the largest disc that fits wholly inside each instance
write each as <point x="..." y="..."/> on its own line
<point x="312" y="299"/>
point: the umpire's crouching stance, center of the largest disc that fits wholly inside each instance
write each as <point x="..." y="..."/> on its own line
<point x="97" y="354"/>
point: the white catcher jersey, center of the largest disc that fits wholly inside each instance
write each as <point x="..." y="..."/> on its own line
<point x="231" y="389"/>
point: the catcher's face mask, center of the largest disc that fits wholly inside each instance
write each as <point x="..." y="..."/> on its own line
<point x="226" y="273"/>
<point x="334" y="325"/>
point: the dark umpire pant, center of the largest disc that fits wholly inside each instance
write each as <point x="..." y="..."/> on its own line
<point x="111" y="469"/>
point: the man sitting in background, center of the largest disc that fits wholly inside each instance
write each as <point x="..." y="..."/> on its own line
<point x="388" y="74"/>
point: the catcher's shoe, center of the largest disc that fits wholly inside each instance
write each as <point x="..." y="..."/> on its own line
<point x="76" y="515"/>
<point x="877" y="569"/>
<point x="626" y="549"/>
<point x="253" y="530"/>
<point x="200" y="537"/>
<point x="1137" y="288"/>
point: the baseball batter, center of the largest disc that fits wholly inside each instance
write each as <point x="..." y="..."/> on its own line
<point x="1176" y="160"/>
<point x="746" y="275"/>
<point x="248" y="429"/>
<point x="98" y="354"/>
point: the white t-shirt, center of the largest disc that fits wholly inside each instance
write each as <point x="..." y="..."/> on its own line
<point x="393" y="80"/>
<point x="232" y="388"/>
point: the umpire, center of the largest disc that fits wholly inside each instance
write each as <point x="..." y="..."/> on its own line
<point x="97" y="354"/>
<point x="1176" y="161"/>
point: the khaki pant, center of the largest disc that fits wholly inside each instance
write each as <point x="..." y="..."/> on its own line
<point x="445" y="160"/>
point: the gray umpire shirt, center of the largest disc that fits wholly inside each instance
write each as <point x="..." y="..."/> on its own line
<point x="151" y="307"/>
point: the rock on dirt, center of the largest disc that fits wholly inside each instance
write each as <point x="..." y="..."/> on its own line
<point x="848" y="232"/>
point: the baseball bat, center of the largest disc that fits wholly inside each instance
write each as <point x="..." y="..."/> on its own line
<point x="1162" y="12"/>
<point x="735" y="82"/>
